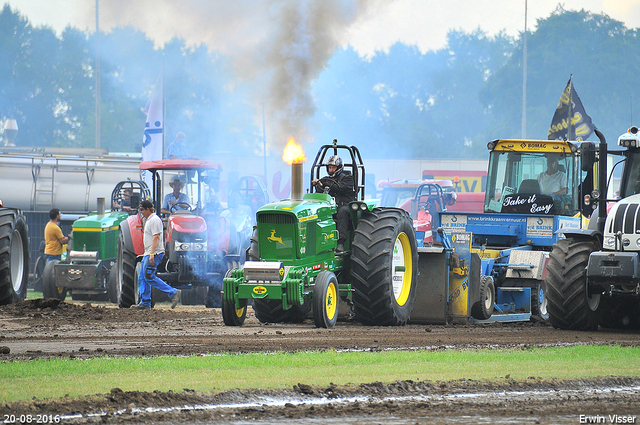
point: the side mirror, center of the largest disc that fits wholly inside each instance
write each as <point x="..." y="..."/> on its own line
<point x="587" y="156"/>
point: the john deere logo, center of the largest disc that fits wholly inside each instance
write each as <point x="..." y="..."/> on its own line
<point x="260" y="290"/>
<point x="281" y="271"/>
<point x="274" y="238"/>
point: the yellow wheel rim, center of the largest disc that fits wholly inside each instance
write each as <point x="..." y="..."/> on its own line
<point x="402" y="269"/>
<point x="331" y="301"/>
<point x="240" y="311"/>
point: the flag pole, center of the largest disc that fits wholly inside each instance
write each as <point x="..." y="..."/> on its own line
<point x="570" y="135"/>
<point x="524" y="76"/>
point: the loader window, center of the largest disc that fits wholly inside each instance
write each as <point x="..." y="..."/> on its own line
<point x="514" y="184"/>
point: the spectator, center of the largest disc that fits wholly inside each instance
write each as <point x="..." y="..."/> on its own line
<point x="153" y="253"/>
<point x="53" y="237"/>
<point x="177" y="148"/>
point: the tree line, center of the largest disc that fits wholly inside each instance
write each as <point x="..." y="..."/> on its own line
<point x="402" y="103"/>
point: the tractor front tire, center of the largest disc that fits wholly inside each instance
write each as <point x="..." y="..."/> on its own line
<point x="127" y="280"/>
<point x="14" y="257"/>
<point x="569" y="304"/>
<point x="482" y="309"/>
<point x="231" y="316"/>
<point x="384" y="264"/>
<point x="325" y="300"/>
<point x="49" y="288"/>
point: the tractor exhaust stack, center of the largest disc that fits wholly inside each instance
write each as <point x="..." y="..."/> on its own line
<point x="296" y="181"/>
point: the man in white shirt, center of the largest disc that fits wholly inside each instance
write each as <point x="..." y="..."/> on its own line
<point x="553" y="181"/>
<point x="153" y="252"/>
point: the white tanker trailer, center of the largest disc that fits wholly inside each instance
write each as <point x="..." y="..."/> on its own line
<point x="71" y="179"/>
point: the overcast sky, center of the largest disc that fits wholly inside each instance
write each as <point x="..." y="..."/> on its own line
<point x="223" y="24"/>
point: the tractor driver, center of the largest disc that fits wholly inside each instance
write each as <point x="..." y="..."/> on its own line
<point x="175" y="200"/>
<point x="553" y="181"/>
<point x="339" y="184"/>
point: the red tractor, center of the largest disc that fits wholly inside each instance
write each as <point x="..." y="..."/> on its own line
<point x="201" y="243"/>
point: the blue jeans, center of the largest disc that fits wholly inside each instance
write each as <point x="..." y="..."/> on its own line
<point x="144" y="284"/>
<point x="53" y="257"/>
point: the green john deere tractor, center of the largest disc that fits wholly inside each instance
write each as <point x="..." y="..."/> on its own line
<point x="292" y="267"/>
<point x="90" y="269"/>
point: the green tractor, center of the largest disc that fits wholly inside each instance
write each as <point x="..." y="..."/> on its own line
<point x="293" y="268"/>
<point x="88" y="272"/>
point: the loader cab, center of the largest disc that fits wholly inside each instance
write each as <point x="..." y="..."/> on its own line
<point x="534" y="177"/>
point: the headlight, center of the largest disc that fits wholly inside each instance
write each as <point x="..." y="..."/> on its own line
<point x="354" y="206"/>
<point x="609" y="241"/>
<point x="189" y="246"/>
<point x="363" y="207"/>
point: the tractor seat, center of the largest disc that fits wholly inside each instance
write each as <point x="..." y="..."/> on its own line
<point x="529" y="186"/>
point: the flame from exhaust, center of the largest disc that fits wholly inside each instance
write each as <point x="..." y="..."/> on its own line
<point x="293" y="152"/>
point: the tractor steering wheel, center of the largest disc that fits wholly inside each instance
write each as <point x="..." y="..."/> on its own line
<point x="327" y="188"/>
<point x="183" y="205"/>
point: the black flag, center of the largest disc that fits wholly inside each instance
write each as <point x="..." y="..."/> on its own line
<point x="570" y="105"/>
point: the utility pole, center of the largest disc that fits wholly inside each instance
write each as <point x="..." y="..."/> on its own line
<point x="97" y="75"/>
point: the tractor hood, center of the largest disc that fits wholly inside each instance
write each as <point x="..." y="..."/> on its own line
<point x="95" y="222"/>
<point x="311" y="206"/>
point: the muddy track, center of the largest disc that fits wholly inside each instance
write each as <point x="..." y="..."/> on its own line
<point x="48" y="329"/>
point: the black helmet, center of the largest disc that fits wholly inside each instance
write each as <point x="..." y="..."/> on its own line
<point x="337" y="161"/>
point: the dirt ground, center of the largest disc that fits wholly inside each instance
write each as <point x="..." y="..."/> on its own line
<point x="38" y="328"/>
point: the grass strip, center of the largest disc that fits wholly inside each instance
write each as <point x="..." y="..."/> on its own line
<point x="54" y="378"/>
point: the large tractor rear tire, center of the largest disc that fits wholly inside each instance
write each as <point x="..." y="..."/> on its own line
<point x="49" y="288"/>
<point x="14" y="257"/>
<point x="384" y="267"/>
<point x="127" y="280"/>
<point x="325" y="300"/>
<point x="569" y="304"/>
<point x="113" y="289"/>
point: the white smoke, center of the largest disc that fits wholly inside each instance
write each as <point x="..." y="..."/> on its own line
<point x="278" y="46"/>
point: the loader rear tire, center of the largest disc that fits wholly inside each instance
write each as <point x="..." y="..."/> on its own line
<point x="568" y="302"/>
<point x="14" y="257"/>
<point x="325" y="300"/>
<point x="384" y="264"/>
<point x="49" y="288"/>
<point x="127" y="279"/>
<point x="482" y="309"/>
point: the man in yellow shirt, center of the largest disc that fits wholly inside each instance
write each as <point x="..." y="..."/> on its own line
<point x="53" y="237"/>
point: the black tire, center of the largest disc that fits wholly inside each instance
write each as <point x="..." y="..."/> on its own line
<point x="49" y="288"/>
<point x="567" y="301"/>
<point x="127" y="279"/>
<point x="381" y="233"/>
<point x="482" y="309"/>
<point x="620" y="313"/>
<point x="231" y="316"/>
<point x="113" y="289"/>
<point x="539" y="303"/>
<point x="325" y="300"/>
<point x="194" y="296"/>
<point x="14" y="257"/>
<point x="38" y="270"/>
